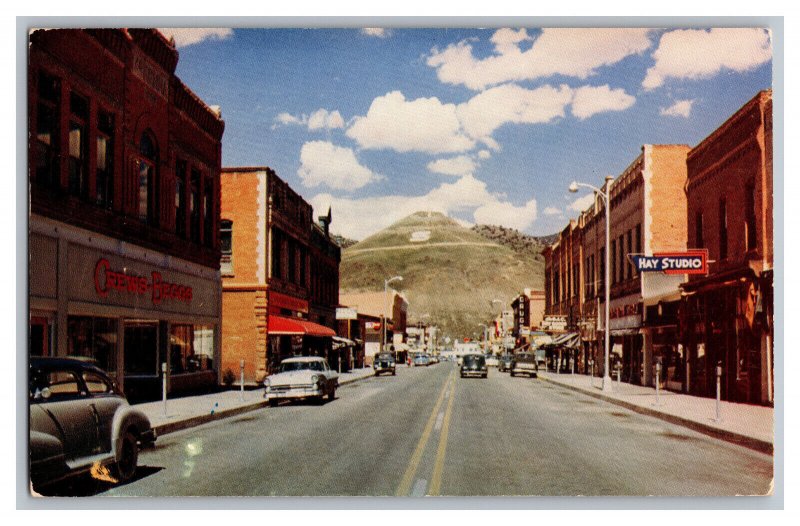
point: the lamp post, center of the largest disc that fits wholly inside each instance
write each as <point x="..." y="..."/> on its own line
<point x="606" y="197"/>
<point x="502" y="331"/>
<point x="386" y="310"/>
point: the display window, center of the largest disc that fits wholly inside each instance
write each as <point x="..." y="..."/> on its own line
<point x="93" y="338"/>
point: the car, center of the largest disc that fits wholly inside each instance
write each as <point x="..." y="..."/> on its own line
<point x="80" y="421"/>
<point x="524" y="363"/>
<point x="492" y="360"/>
<point x="384" y="363"/>
<point x="422" y="359"/>
<point x="433" y="358"/>
<point x="299" y="378"/>
<point x="474" y="365"/>
<point x="541" y="357"/>
<point x="504" y="363"/>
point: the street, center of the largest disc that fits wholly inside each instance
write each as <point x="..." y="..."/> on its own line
<point x="428" y="432"/>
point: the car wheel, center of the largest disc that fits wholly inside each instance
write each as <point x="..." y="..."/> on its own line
<point x="377" y="373"/>
<point x="273" y="402"/>
<point x="512" y="373"/>
<point x="394" y="373"/>
<point x="127" y="457"/>
<point x="332" y="394"/>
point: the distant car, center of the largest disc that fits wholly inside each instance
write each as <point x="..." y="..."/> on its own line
<point x="492" y="360"/>
<point x="302" y="377"/>
<point x="422" y="359"/>
<point x="524" y="363"/>
<point x="541" y="357"/>
<point x="504" y="363"/>
<point x="474" y="365"/>
<point x="433" y="358"/>
<point x="384" y="363"/>
<point x="79" y="420"/>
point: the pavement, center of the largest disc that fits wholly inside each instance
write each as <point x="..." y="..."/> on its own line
<point x="748" y="425"/>
<point x="183" y="412"/>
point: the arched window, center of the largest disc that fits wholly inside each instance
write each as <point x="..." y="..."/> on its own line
<point x="146" y="180"/>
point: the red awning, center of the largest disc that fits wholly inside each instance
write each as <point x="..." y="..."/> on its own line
<point x="279" y="326"/>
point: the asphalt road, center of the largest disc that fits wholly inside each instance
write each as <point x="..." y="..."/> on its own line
<point x="428" y="432"/>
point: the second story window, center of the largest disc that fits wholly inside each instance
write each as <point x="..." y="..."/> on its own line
<point x="47" y="132"/>
<point x="723" y="229"/>
<point x="146" y="180"/>
<point x="226" y="246"/>
<point x="208" y="214"/>
<point x="628" y="264"/>
<point x="613" y="262"/>
<point x="698" y="230"/>
<point x="104" y="184"/>
<point x="180" y="198"/>
<point x="750" y="216"/>
<point x="79" y="117"/>
<point x="194" y="205"/>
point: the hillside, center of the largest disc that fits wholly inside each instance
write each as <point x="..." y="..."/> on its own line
<point x="523" y="244"/>
<point x="449" y="272"/>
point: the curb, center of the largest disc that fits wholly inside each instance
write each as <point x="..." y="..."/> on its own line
<point x="721" y="434"/>
<point x="172" y="427"/>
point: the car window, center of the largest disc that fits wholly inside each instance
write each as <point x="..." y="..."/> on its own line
<point x="96" y="383"/>
<point x="59" y="383"/>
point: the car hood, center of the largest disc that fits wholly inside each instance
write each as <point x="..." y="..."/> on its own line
<point x="293" y="377"/>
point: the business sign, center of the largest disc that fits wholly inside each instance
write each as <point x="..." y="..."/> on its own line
<point x="107" y="280"/>
<point x="372" y="325"/>
<point x="554" y="323"/>
<point x="692" y="262"/>
<point x="346" y="313"/>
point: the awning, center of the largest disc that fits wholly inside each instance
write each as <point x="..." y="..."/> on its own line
<point x="571" y="340"/>
<point x="339" y="342"/>
<point x="280" y="326"/>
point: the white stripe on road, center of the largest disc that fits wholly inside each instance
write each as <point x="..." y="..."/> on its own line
<point x="439" y="420"/>
<point x="419" y="488"/>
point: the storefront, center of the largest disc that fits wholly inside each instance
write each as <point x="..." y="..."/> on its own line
<point x="298" y="337"/>
<point x="127" y="308"/>
<point x="627" y="344"/>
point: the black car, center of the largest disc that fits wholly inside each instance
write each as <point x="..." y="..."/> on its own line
<point x="474" y="365"/>
<point x="79" y="421"/>
<point x="384" y="363"/>
<point x="524" y="363"/>
<point x="505" y="363"/>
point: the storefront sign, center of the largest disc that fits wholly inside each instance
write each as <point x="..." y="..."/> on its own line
<point x="372" y="325"/>
<point x="107" y="280"/>
<point x="621" y="311"/>
<point x="691" y="262"/>
<point x="346" y="313"/>
<point x="554" y="323"/>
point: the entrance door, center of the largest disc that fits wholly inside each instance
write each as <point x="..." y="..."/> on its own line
<point x="39" y="337"/>
<point x="141" y="348"/>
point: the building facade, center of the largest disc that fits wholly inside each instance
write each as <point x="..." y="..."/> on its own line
<point x="278" y="274"/>
<point x="376" y="305"/>
<point x="727" y="316"/>
<point x="124" y="165"/>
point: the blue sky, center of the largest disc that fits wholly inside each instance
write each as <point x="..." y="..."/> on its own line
<point x="486" y="125"/>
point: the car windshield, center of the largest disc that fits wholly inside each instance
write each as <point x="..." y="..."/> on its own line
<point x="301" y="366"/>
<point x="471" y="358"/>
<point x="386" y="357"/>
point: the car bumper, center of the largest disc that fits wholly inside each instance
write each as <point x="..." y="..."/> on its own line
<point x="473" y="373"/>
<point x="282" y="393"/>
<point x="532" y="372"/>
<point x="379" y="370"/>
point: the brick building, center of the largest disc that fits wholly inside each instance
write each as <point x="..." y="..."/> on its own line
<point x="726" y="316"/>
<point x="375" y="305"/>
<point x="280" y="274"/>
<point x="124" y="165"/>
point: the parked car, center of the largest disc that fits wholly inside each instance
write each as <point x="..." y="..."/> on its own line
<point x="541" y="357"/>
<point x="301" y="377"/>
<point x="504" y="363"/>
<point x="384" y="363"/>
<point x="474" y="365"/>
<point x="422" y="359"/>
<point x="524" y="363"/>
<point x="79" y="419"/>
<point x="492" y="360"/>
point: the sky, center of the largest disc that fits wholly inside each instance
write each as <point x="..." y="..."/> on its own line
<point x="487" y="126"/>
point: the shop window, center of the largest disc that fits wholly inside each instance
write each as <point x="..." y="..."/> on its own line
<point x="723" y="229"/>
<point x="47" y="131"/>
<point x="203" y="348"/>
<point x="94" y="338"/>
<point x="226" y="246"/>
<point x="194" y="205"/>
<point x="180" y="198"/>
<point x="750" y="216"/>
<point x="79" y="116"/>
<point x="148" y="187"/>
<point x="104" y="183"/>
<point x="180" y="349"/>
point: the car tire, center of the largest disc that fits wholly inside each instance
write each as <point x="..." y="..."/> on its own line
<point x="332" y="394"/>
<point x="394" y="373"/>
<point x="127" y="457"/>
<point x="273" y="402"/>
<point x="512" y="373"/>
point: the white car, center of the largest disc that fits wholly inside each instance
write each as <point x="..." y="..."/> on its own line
<point x="492" y="360"/>
<point x="299" y="378"/>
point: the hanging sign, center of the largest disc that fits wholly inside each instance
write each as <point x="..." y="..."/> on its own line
<point x="691" y="262"/>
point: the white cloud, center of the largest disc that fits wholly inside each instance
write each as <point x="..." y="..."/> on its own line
<point x="378" y="32"/>
<point x="461" y="165"/>
<point x="359" y="218"/>
<point x="681" y="108"/>
<point x="551" y="211"/>
<point x="325" y="163"/>
<point x="321" y="119"/>
<point x="582" y="203"/>
<point x="699" y="53"/>
<point x="573" y="52"/>
<point x="590" y="100"/>
<point x="484" y="154"/>
<point x="194" y="35"/>
<point x="422" y="125"/>
<point x="510" y="103"/>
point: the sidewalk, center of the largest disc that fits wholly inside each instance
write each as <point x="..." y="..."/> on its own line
<point x="744" y="424"/>
<point x="190" y="411"/>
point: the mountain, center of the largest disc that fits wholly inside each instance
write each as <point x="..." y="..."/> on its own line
<point x="523" y="244"/>
<point x="449" y="272"/>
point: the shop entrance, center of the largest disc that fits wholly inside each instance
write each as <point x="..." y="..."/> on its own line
<point x="141" y="348"/>
<point x="39" y="336"/>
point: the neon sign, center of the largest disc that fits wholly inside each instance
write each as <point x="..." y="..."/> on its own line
<point x="107" y="280"/>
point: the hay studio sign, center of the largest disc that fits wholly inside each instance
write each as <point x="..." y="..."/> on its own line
<point x="691" y="262"/>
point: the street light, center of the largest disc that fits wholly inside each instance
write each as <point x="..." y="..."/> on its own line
<point x="386" y="310"/>
<point x="605" y="195"/>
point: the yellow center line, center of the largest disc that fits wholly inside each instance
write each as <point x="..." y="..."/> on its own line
<point x="416" y="458"/>
<point x="436" y="479"/>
